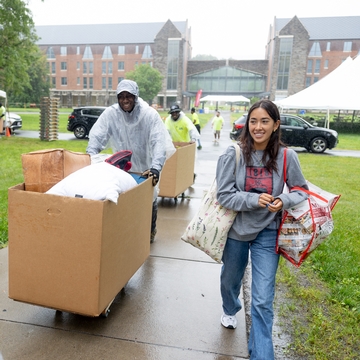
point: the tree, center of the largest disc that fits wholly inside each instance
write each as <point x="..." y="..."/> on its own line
<point x="148" y="79"/>
<point x="18" y="46"/>
<point x="204" y="57"/>
<point x="39" y="85"/>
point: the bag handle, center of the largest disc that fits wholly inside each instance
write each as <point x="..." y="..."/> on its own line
<point x="285" y="150"/>
<point x="298" y="187"/>
<point x="237" y="151"/>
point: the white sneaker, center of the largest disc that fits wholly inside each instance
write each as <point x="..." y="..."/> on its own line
<point x="228" y="321"/>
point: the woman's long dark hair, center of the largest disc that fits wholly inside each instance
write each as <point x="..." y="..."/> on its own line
<point x="273" y="146"/>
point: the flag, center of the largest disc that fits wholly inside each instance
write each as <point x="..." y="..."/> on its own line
<point x="197" y="98"/>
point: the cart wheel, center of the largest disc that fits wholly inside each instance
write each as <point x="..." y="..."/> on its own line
<point x="105" y="313"/>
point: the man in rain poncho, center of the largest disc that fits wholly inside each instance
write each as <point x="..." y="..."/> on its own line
<point x="133" y="125"/>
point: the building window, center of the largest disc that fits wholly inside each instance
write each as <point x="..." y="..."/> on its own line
<point x="136" y="63"/>
<point x="88" y="53"/>
<point x="63" y="50"/>
<point x="328" y="44"/>
<point x="120" y="79"/>
<point x="85" y="68"/>
<point x="103" y="83"/>
<point x="91" y="83"/>
<point x="107" y="54"/>
<point x="309" y="69"/>
<point x="85" y="83"/>
<point x="121" y="50"/>
<point x="285" y="51"/>
<point x="308" y="82"/>
<point x="63" y="81"/>
<point x="63" y="65"/>
<point x="173" y="63"/>
<point x="227" y="79"/>
<point x="78" y="65"/>
<point x="78" y="50"/>
<point x="317" y="66"/>
<point x="110" y="67"/>
<point x="53" y="68"/>
<point x="315" y="49"/>
<point x="316" y="79"/>
<point x="136" y="49"/>
<point x="103" y="67"/>
<point x="326" y="64"/>
<point x="54" y="82"/>
<point x="50" y="53"/>
<point x="77" y="81"/>
<point x="109" y="83"/>
<point x="147" y="54"/>
<point x="121" y="65"/>
<point x="347" y="46"/>
<point x="91" y="67"/>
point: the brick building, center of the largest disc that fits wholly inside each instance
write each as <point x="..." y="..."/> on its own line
<point x="86" y="62"/>
<point x="301" y="51"/>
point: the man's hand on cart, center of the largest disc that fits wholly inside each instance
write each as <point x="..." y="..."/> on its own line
<point x="153" y="173"/>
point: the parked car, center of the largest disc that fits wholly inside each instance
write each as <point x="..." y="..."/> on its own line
<point x="82" y="119"/>
<point x="13" y="121"/>
<point x="296" y="131"/>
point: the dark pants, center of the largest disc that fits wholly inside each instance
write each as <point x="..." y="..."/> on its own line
<point x="198" y="128"/>
<point x="154" y="215"/>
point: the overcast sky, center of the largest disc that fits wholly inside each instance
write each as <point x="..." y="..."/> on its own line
<point x="226" y="29"/>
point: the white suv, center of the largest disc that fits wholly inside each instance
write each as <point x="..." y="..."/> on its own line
<point x="13" y="121"/>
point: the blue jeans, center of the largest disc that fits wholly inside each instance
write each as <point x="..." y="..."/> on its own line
<point x="264" y="263"/>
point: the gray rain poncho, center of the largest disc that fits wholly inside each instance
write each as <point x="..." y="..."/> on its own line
<point x="142" y="131"/>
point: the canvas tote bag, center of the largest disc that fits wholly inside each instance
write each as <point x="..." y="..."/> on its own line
<point x="209" y="227"/>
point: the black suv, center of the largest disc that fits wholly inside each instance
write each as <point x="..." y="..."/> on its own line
<point x="82" y="119"/>
<point x="295" y="131"/>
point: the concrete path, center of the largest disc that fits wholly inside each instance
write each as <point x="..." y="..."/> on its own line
<point x="170" y="309"/>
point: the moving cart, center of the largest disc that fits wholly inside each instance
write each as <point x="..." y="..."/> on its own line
<point x="75" y="254"/>
<point x="178" y="172"/>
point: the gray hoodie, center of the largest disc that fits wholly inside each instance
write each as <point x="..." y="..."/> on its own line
<point x="242" y="191"/>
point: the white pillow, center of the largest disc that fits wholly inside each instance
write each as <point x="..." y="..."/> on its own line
<point x="100" y="181"/>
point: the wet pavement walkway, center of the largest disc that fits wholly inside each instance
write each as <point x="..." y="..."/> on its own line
<point x="170" y="309"/>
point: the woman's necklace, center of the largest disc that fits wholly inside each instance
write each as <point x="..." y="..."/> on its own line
<point x="258" y="158"/>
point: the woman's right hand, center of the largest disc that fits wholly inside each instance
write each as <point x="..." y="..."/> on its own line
<point x="265" y="200"/>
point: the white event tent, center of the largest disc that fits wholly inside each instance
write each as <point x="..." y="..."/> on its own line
<point x="339" y="90"/>
<point x="225" y="98"/>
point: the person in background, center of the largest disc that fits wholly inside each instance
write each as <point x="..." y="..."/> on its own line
<point x="256" y="193"/>
<point x="180" y="127"/>
<point x="131" y="124"/>
<point x="2" y="111"/>
<point x="196" y="122"/>
<point x="217" y="124"/>
<point x="2" y="117"/>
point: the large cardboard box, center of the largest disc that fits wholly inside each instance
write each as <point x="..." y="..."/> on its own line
<point x="43" y="169"/>
<point x="178" y="172"/>
<point x="76" y="254"/>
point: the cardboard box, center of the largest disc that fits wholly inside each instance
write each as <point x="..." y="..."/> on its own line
<point x="75" y="254"/>
<point x="178" y="172"/>
<point x="43" y="169"/>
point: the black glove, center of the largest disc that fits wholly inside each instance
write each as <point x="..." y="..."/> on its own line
<point x="152" y="173"/>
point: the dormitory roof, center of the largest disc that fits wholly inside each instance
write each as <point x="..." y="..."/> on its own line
<point x="323" y="28"/>
<point x="138" y="33"/>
